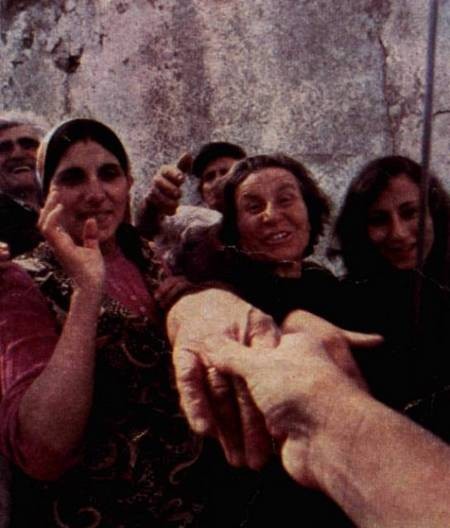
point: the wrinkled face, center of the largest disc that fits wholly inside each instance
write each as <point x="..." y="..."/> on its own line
<point x="272" y="217"/>
<point x="91" y="184"/>
<point x="392" y="223"/>
<point x="213" y="181"/>
<point x="18" y="147"/>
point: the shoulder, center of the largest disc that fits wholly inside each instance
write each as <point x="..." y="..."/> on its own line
<point x="313" y="271"/>
<point x="13" y="276"/>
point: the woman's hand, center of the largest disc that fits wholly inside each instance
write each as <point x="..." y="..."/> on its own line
<point x="214" y="403"/>
<point x="84" y="264"/>
<point x="336" y="340"/>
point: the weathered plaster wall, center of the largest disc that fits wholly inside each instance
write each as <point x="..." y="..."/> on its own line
<point x="334" y="83"/>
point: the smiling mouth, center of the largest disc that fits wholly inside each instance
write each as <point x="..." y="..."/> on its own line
<point x="277" y="238"/>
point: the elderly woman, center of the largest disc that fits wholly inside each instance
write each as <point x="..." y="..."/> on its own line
<point x="378" y="235"/>
<point x="272" y="218"/>
<point x="89" y="415"/>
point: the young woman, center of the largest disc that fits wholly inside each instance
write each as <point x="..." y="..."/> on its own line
<point x="89" y="415"/>
<point x="377" y="234"/>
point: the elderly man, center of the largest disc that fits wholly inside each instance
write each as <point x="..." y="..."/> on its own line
<point x="19" y="187"/>
<point x="19" y="205"/>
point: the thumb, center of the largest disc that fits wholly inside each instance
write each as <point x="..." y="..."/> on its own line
<point x="90" y="234"/>
<point x="227" y="355"/>
<point x="261" y="330"/>
<point x="360" y="340"/>
<point x="184" y="162"/>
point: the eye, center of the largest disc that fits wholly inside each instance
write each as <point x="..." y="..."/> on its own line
<point x="286" y="199"/>
<point x="70" y="177"/>
<point x="409" y="212"/>
<point x="5" y="146"/>
<point x="109" y="172"/>
<point x="377" y="219"/>
<point x="28" y="143"/>
<point x="253" y="207"/>
<point x="208" y="176"/>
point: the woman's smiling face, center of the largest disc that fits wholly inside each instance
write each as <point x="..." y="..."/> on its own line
<point x="272" y="217"/>
<point x="91" y="184"/>
<point x="393" y="220"/>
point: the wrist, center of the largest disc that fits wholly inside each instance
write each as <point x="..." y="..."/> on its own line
<point x="341" y="424"/>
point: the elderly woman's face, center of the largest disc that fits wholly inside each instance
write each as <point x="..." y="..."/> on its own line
<point x="91" y="184"/>
<point x="392" y="223"/>
<point x="272" y="216"/>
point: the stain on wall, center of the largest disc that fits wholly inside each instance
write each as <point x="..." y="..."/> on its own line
<point x="334" y="84"/>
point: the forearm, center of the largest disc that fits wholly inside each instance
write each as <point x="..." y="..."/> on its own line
<point x="382" y="469"/>
<point x="54" y="410"/>
<point x="148" y="220"/>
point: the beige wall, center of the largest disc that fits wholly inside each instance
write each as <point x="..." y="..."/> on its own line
<point x="334" y="83"/>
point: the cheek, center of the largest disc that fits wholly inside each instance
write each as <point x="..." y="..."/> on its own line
<point x="376" y="234"/>
<point x="247" y="230"/>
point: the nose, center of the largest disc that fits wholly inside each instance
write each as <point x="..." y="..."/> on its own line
<point x="270" y="213"/>
<point x="95" y="191"/>
<point x="399" y="228"/>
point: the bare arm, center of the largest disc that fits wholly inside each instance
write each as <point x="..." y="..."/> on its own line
<point x="54" y="410"/>
<point x="382" y="469"/>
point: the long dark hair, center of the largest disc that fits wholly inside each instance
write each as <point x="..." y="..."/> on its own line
<point x="351" y="238"/>
<point x="315" y="200"/>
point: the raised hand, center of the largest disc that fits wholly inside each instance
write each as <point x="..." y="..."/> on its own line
<point x="83" y="263"/>
<point x="165" y="189"/>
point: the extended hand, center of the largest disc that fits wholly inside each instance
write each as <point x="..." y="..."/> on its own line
<point x="213" y="403"/>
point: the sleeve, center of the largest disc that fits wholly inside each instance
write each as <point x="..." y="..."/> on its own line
<point x="27" y="339"/>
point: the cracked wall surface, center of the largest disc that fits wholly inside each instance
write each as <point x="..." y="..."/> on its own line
<point x="333" y="83"/>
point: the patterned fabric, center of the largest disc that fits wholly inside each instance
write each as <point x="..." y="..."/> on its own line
<point x="138" y="466"/>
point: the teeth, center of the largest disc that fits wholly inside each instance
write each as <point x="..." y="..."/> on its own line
<point x="21" y="168"/>
<point x="278" y="236"/>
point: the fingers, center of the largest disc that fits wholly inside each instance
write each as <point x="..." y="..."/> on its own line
<point x="359" y="340"/>
<point x="261" y="330"/>
<point x="226" y="416"/>
<point x="165" y="191"/>
<point x="190" y="377"/>
<point x="90" y="234"/>
<point x="184" y="162"/>
<point x="257" y="443"/>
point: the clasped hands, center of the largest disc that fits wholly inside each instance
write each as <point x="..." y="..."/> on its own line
<point x="237" y="372"/>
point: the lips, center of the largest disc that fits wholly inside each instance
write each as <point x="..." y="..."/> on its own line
<point x="277" y="237"/>
<point x="18" y="166"/>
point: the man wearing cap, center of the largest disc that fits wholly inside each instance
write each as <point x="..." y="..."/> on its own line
<point x="173" y="225"/>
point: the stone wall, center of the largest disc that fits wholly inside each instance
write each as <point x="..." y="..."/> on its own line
<point x="333" y="83"/>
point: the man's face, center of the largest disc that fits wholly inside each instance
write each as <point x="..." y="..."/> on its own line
<point x="213" y="181"/>
<point x="18" y="147"/>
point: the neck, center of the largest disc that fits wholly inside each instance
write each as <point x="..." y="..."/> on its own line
<point x="290" y="269"/>
<point x="108" y="247"/>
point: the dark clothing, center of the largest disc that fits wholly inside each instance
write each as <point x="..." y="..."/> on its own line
<point x="411" y="370"/>
<point x="278" y="500"/>
<point x="18" y="225"/>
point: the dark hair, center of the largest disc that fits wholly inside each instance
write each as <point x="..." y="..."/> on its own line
<point x="61" y="138"/>
<point x="212" y="151"/>
<point x="315" y="200"/>
<point x="350" y="232"/>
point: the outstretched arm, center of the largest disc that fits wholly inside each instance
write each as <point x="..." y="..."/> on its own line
<point x="213" y="403"/>
<point x="382" y="469"/>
